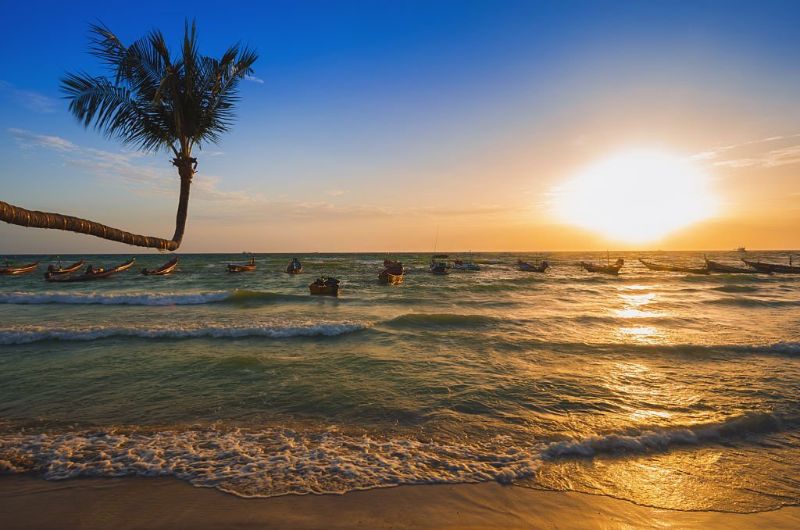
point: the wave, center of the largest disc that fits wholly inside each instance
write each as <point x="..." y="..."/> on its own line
<point x="442" y="320"/>
<point x="754" y="302"/>
<point x="40" y="334"/>
<point x="146" y="299"/>
<point x="263" y="463"/>
<point x="661" y="440"/>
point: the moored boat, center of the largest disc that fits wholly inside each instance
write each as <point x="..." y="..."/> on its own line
<point x="773" y="267"/>
<point x="92" y="273"/>
<point x="528" y="267"/>
<point x="673" y="268"/>
<point x="392" y="273"/>
<point x="10" y="270"/>
<point x="462" y="265"/>
<point x="715" y="266"/>
<point x="439" y="264"/>
<point x="163" y="270"/>
<point x="325" y="286"/>
<point x="294" y="267"/>
<point x="612" y="268"/>
<point x="246" y="267"/>
<point x="53" y="270"/>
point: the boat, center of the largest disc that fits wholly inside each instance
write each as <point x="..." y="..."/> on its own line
<point x="92" y="273"/>
<point x="392" y="273"/>
<point x="715" y="266"/>
<point x="604" y="269"/>
<point x="439" y="264"/>
<point x="773" y="267"/>
<point x="325" y="286"/>
<point x="9" y="270"/>
<point x="462" y="265"/>
<point x="673" y="268"/>
<point x="247" y="267"/>
<point x="741" y="249"/>
<point x="53" y="270"/>
<point x="294" y="267"/>
<point x="527" y="267"/>
<point x="163" y="270"/>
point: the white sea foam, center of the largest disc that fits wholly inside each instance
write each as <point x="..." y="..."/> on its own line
<point x="264" y="463"/>
<point x="160" y="299"/>
<point x="29" y="334"/>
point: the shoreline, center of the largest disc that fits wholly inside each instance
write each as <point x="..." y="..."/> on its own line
<point x="28" y="502"/>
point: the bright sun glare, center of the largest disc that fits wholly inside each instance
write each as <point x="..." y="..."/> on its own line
<point x="636" y="196"/>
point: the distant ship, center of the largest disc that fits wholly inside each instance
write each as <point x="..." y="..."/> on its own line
<point x="741" y="249"/>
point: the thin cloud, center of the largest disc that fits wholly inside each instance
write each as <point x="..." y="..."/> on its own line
<point x="767" y="159"/>
<point x="28" y="98"/>
<point x="254" y="79"/>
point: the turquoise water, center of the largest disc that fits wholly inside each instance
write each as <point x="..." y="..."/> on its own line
<point x="664" y="389"/>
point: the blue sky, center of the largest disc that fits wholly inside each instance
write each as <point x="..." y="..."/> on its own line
<point x="369" y="115"/>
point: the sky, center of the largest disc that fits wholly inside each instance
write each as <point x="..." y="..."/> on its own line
<point x="400" y="126"/>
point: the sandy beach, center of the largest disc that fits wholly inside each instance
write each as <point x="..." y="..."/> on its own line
<point x="27" y="502"/>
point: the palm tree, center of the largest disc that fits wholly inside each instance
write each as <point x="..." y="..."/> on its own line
<point x="154" y="102"/>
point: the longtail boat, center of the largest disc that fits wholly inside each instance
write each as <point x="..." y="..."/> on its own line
<point x="325" y="286"/>
<point x="247" y="267"/>
<point x="462" y="265"/>
<point x="163" y="270"/>
<point x="604" y="269"/>
<point x="9" y="270"/>
<point x="92" y="273"/>
<point x="773" y="267"/>
<point x="527" y="267"/>
<point x="294" y="267"/>
<point x="392" y="273"/>
<point x="673" y="268"/>
<point x="715" y="266"/>
<point x="59" y="270"/>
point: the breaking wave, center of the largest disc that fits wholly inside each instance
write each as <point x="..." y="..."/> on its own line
<point x="660" y="440"/>
<point x="38" y="334"/>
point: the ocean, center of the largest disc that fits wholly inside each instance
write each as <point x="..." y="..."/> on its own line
<point x="666" y="389"/>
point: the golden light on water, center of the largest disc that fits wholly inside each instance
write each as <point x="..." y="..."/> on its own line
<point x="636" y="196"/>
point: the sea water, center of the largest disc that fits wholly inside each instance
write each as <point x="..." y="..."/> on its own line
<point x="666" y="389"/>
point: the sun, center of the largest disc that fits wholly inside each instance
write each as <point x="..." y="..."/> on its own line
<point x="636" y="196"/>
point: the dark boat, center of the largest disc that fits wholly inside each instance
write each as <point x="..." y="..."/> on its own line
<point x="8" y="270"/>
<point x="527" y="267"/>
<point x="715" y="266"/>
<point x="392" y="273"/>
<point x="325" y="286"/>
<point x="773" y="267"/>
<point x="92" y="273"/>
<point x="52" y="270"/>
<point x="604" y="269"/>
<point x="673" y="268"/>
<point x="294" y="267"/>
<point x="247" y="267"/>
<point x="439" y="264"/>
<point x="163" y="270"/>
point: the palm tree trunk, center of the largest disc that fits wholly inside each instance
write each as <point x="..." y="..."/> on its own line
<point x="22" y="217"/>
<point x="186" y="165"/>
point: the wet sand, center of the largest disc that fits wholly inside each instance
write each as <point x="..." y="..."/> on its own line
<point x="27" y="502"/>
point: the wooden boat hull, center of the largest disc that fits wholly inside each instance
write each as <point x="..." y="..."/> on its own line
<point x="603" y="269"/>
<point x="714" y="266"/>
<point x="324" y="290"/>
<point x="52" y="271"/>
<point x="163" y="270"/>
<point x="89" y="276"/>
<point x="770" y="268"/>
<point x="387" y="278"/>
<point x="18" y="271"/>
<point x="671" y="268"/>
<point x="290" y="270"/>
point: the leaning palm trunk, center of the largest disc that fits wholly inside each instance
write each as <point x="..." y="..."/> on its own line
<point x="154" y="102"/>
